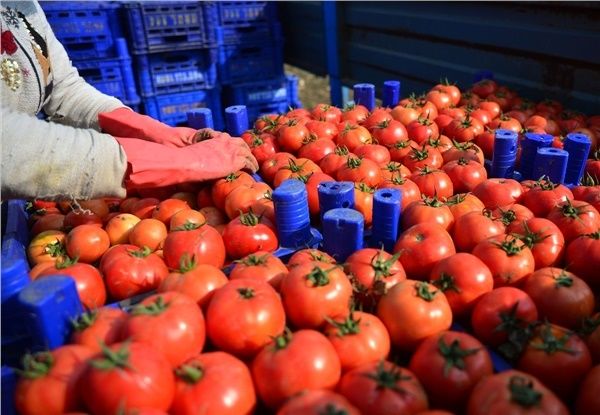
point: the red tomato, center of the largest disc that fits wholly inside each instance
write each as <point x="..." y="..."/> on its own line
<point x="462" y="203"/>
<point x="150" y="233"/>
<point x="421" y="247"/>
<point x="291" y="136"/>
<point x="484" y="88"/>
<point x="322" y="129"/>
<point x="422" y="129"/>
<point x="554" y="349"/>
<point x="375" y="152"/>
<point x="401" y="149"/>
<point x="501" y="312"/>
<point x="313" y="292"/>
<point x="143" y="208"/>
<point x="588" y="399"/>
<point x="309" y="255"/>
<point x="449" y="365"/>
<point x="439" y="98"/>
<point x="316" y="150"/>
<point x="467" y="150"/>
<point x="389" y="132"/>
<point x="441" y="143"/>
<point x="165" y="210"/>
<point x="360" y="170"/>
<point x="351" y="136"/>
<point x="325" y="112"/>
<point x="469" y="98"/>
<point x="363" y="201"/>
<point x="269" y="168"/>
<point x="240" y="199"/>
<point x="291" y="363"/>
<point x="48" y="382"/>
<point x="433" y="182"/>
<point x="247" y="234"/>
<point x="81" y="217"/>
<point x="506" y="122"/>
<point x="423" y="157"/>
<point x="427" y="210"/>
<point x="543" y="238"/>
<point x="213" y="383"/>
<point x="383" y="388"/>
<point x="298" y="169"/>
<point x="87" y="243"/>
<point x="465" y="129"/>
<point x="376" y="117"/>
<point x="495" y="193"/>
<point x="127" y="376"/>
<point x="575" y="218"/>
<point x="203" y="243"/>
<point x="263" y="147"/>
<point x="389" y="170"/>
<point x="485" y="141"/>
<point x="312" y="188"/>
<point x="465" y="174"/>
<point x="507" y="257"/>
<point x="544" y="195"/>
<point x="355" y="114"/>
<point x="405" y="114"/>
<point x="213" y="216"/>
<point x="450" y="89"/>
<point x="96" y="327"/>
<point x="331" y="163"/>
<point x="473" y="228"/>
<point x="222" y="187"/>
<point x="410" y="190"/>
<point x="129" y="272"/>
<point x="359" y="339"/>
<point x="262" y="266"/>
<point x="481" y="115"/>
<point x="176" y="317"/>
<point x="583" y="258"/>
<point x="512" y="216"/>
<point x="412" y="311"/>
<point x="318" y="402"/>
<point x="48" y="222"/>
<point x="513" y="392"/>
<point x="560" y="296"/>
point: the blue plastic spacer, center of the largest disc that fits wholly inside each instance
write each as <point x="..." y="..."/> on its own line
<point x="364" y="94"/>
<point x="505" y="154"/>
<point x="578" y="146"/>
<point x="236" y="120"/>
<point x="391" y="94"/>
<point x="334" y="195"/>
<point x="292" y="214"/>
<point x="343" y="232"/>
<point x="199" y="118"/>
<point x="121" y="48"/>
<point x="15" y="277"/>
<point x="386" y="218"/>
<point x="552" y="163"/>
<point x="529" y="148"/>
<point x="483" y="74"/>
<point x="9" y="385"/>
<point x="49" y="305"/>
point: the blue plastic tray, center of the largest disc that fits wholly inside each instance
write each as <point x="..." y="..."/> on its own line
<point x="170" y="72"/>
<point x="163" y="26"/>
<point x="172" y="108"/>
<point x="250" y="61"/>
<point x="111" y="76"/>
<point x="235" y="13"/>
<point x="251" y="33"/>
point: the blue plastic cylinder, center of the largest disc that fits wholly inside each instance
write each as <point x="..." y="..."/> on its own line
<point x="334" y="195"/>
<point x="364" y="94"/>
<point x="578" y="146"/>
<point x="552" y="163"/>
<point x="505" y="154"/>
<point x="391" y="94"/>
<point x="343" y="232"/>
<point x="386" y="218"/>
<point x="9" y="384"/>
<point x="121" y="48"/>
<point x="236" y="120"/>
<point x="291" y="214"/>
<point x="529" y="149"/>
<point x="50" y="304"/>
<point x="199" y="118"/>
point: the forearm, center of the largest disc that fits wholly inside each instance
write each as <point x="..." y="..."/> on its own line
<point x="53" y="161"/>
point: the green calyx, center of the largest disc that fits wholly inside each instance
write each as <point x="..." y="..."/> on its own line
<point x="354" y="162"/>
<point x="347" y="327"/>
<point x="529" y="238"/>
<point x="190" y="373"/>
<point x="446" y="282"/>
<point x="253" y="260"/>
<point x="319" y="277"/>
<point x="382" y="267"/>
<point x="37" y="365"/>
<point x="189" y="226"/>
<point x="140" y="253"/>
<point x="65" y="262"/>
<point x="510" y="246"/>
<point x="155" y="308"/>
<point x="84" y="320"/>
<point x="424" y="292"/>
<point x="551" y="344"/>
<point x="388" y="378"/>
<point x="331" y="409"/>
<point x="432" y="201"/>
<point x="187" y="263"/>
<point x="55" y="249"/>
<point x="401" y="144"/>
<point x="341" y="150"/>
<point x="113" y="359"/>
<point x="570" y="211"/>
<point x="419" y="154"/>
<point x="363" y="187"/>
<point x="563" y="280"/>
<point x="453" y="354"/>
<point x="246" y="293"/>
<point x="522" y="392"/>
<point x="231" y="177"/>
<point x="280" y="342"/>
<point x="249" y="219"/>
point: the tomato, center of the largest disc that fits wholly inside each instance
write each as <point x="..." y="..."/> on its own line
<point x="316" y="150"/>
<point x="127" y="376"/>
<point x="575" y="218"/>
<point x="203" y="243"/>
<point x="469" y="98"/>
<point x="249" y="233"/>
<point x="96" y="327"/>
<point x="167" y="208"/>
<point x="291" y="363"/>
<point x="433" y="182"/>
<point x="47" y="246"/>
<point x="351" y="136"/>
<point x="422" y="129"/>
<point x="325" y="112"/>
<point x="588" y="399"/>
<point x="449" y="365"/>
<point x="312" y="188"/>
<point x="496" y="192"/>
<point x="554" y="349"/>
<point x="401" y="149"/>
<point x="429" y="210"/>
<point x="176" y="317"/>
<point x="318" y="402"/>
<point x="240" y="199"/>
<point x="88" y="281"/>
<point x="377" y="116"/>
<point x="355" y="113"/>
<point x="465" y="174"/>
<point x="119" y="227"/>
<point x="296" y="169"/>
<point x="481" y="115"/>
<point x="129" y="272"/>
<point x="389" y="132"/>
<point x="331" y="163"/>
<point x="507" y="257"/>
<point x="263" y="207"/>
<point x="501" y="312"/>
<point x="485" y="141"/>
<point x="410" y="190"/>
<point x="383" y="388"/>
<point x="463" y="278"/>
<point x="87" y="243"/>
<point x="467" y="150"/>
<point x="269" y="122"/>
<point x="178" y="220"/>
<point x="412" y="311"/>
<point x="513" y="392"/>
<point x="474" y="227"/>
<point x="450" y="89"/>
<point x="420" y="158"/>
<point x="560" y="296"/>
<point x="262" y="266"/>
<point x="543" y="238"/>
<point x="391" y="169"/>
<point x="189" y="197"/>
<point x="512" y="216"/>
<point x="213" y="383"/>
<point x="363" y="201"/>
<point x="372" y="273"/>
<point x="144" y="208"/>
<point x="322" y="129"/>
<point x="462" y="203"/>
<point x="48" y="382"/>
<point x="506" y="122"/>
<point x="484" y="87"/>
<point x="375" y="152"/>
<point x="222" y="187"/>
<point x="405" y="114"/>
<point x="465" y="129"/>
<point x="313" y="292"/>
<point x="439" y="98"/>
<point x="360" y="170"/>
<point x="309" y="255"/>
<point x="544" y="195"/>
<point x="213" y="215"/>
<point x="291" y="136"/>
<point x="48" y="222"/>
<point x="583" y="258"/>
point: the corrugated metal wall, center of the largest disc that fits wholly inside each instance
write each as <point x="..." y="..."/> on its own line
<point x="542" y="49"/>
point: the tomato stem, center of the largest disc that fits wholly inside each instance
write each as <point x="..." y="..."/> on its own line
<point x="190" y="373"/>
<point x="111" y="359"/>
<point x="446" y="282"/>
<point x="84" y="320"/>
<point x="36" y="365"/>
<point x="453" y="354"/>
<point x="523" y="393"/>
<point x="347" y="327"/>
<point x="423" y="291"/>
<point x="318" y="277"/>
<point x="551" y="344"/>
<point x="246" y="293"/>
<point x="140" y="253"/>
<point x="563" y="280"/>
<point x="388" y="379"/>
<point x="155" y="308"/>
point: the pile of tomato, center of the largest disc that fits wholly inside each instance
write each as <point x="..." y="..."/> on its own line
<point x="483" y="267"/>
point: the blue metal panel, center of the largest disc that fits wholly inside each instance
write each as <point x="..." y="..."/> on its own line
<point x="330" y="18"/>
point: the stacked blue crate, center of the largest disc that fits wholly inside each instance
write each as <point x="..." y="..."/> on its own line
<point x="175" y="57"/>
<point x="91" y="34"/>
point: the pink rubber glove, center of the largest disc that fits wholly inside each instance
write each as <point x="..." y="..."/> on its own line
<point x="155" y="165"/>
<point x="124" y="122"/>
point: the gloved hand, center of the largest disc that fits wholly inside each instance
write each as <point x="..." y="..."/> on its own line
<point x="124" y="122"/>
<point x="155" y="165"/>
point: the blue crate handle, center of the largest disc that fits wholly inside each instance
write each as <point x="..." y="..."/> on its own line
<point x="505" y="154"/>
<point x="200" y="118"/>
<point x="334" y="195"/>
<point x="343" y="232"/>
<point x="236" y="120"/>
<point x="529" y="149"/>
<point x="364" y="94"/>
<point x="578" y="146"/>
<point x="292" y="214"/>
<point x="552" y="163"/>
<point x="386" y="218"/>
<point x="391" y="94"/>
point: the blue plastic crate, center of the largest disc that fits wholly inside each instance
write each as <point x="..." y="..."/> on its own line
<point x="170" y="72"/>
<point x="292" y="86"/>
<point x="86" y="29"/>
<point x="163" y="26"/>
<point x="251" y="33"/>
<point x="256" y="111"/>
<point x="113" y="77"/>
<point x="172" y="108"/>
<point x="235" y="13"/>
<point x="269" y="91"/>
<point x="250" y="61"/>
